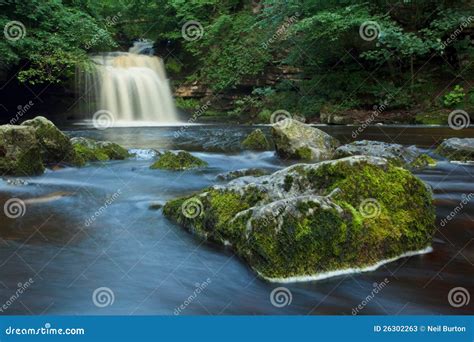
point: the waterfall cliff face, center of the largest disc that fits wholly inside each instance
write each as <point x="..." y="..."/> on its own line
<point x="130" y="87"/>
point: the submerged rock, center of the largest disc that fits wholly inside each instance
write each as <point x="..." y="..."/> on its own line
<point x="256" y="141"/>
<point x="180" y="160"/>
<point x="410" y="157"/>
<point x="296" y="140"/>
<point x="20" y="151"/>
<point x="89" y="150"/>
<point x="457" y="149"/>
<point x="241" y="173"/>
<point x="55" y="145"/>
<point x="310" y="219"/>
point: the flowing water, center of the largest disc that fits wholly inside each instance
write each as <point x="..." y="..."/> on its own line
<point x="70" y="247"/>
<point x="129" y="87"/>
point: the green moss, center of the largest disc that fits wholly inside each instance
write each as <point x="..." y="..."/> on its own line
<point x="85" y="154"/>
<point x="20" y="152"/>
<point x="181" y="160"/>
<point x="436" y="117"/>
<point x="304" y="153"/>
<point x="422" y="161"/>
<point x="256" y="141"/>
<point x="87" y="150"/>
<point x="455" y="153"/>
<point x="307" y="235"/>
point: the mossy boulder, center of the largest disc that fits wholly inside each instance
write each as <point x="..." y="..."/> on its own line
<point x="296" y="140"/>
<point x="89" y="150"/>
<point x="310" y="219"/>
<point x="256" y="141"/>
<point x="241" y="173"/>
<point x="20" y="151"/>
<point x="55" y="145"/>
<point x="180" y="160"/>
<point x="459" y="149"/>
<point x="406" y="156"/>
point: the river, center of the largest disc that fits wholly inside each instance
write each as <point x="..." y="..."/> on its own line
<point x="70" y="248"/>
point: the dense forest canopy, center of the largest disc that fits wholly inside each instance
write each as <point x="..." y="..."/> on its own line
<point x="338" y="55"/>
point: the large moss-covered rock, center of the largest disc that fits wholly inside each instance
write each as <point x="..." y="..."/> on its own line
<point x="180" y="160"/>
<point x="310" y="219"/>
<point x="89" y="150"/>
<point x="242" y="173"/>
<point x="406" y="156"/>
<point x="457" y="149"/>
<point x="55" y="145"/>
<point x="296" y="140"/>
<point x="256" y="141"/>
<point x="20" y="151"/>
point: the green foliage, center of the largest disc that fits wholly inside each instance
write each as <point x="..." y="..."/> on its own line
<point x="454" y="97"/>
<point x="53" y="42"/>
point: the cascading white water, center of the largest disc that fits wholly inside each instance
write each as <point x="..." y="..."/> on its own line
<point x="130" y="86"/>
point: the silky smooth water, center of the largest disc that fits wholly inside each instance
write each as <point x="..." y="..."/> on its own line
<point x="153" y="266"/>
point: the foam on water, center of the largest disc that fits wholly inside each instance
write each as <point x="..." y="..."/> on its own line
<point x="325" y="275"/>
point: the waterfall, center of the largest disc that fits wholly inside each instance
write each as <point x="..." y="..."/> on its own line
<point x="130" y="86"/>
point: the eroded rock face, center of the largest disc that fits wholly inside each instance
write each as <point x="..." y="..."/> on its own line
<point x="55" y="145"/>
<point x="180" y="160"/>
<point x="89" y="150"/>
<point x="310" y="219"/>
<point x="256" y="141"/>
<point x="20" y="151"/>
<point x="409" y="157"/>
<point x="296" y="140"/>
<point x="457" y="149"/>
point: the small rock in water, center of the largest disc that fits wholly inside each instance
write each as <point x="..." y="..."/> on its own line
<point x="155" y="206"/>
<point x="457" y="149"/>
<point x="180" y="160"/>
